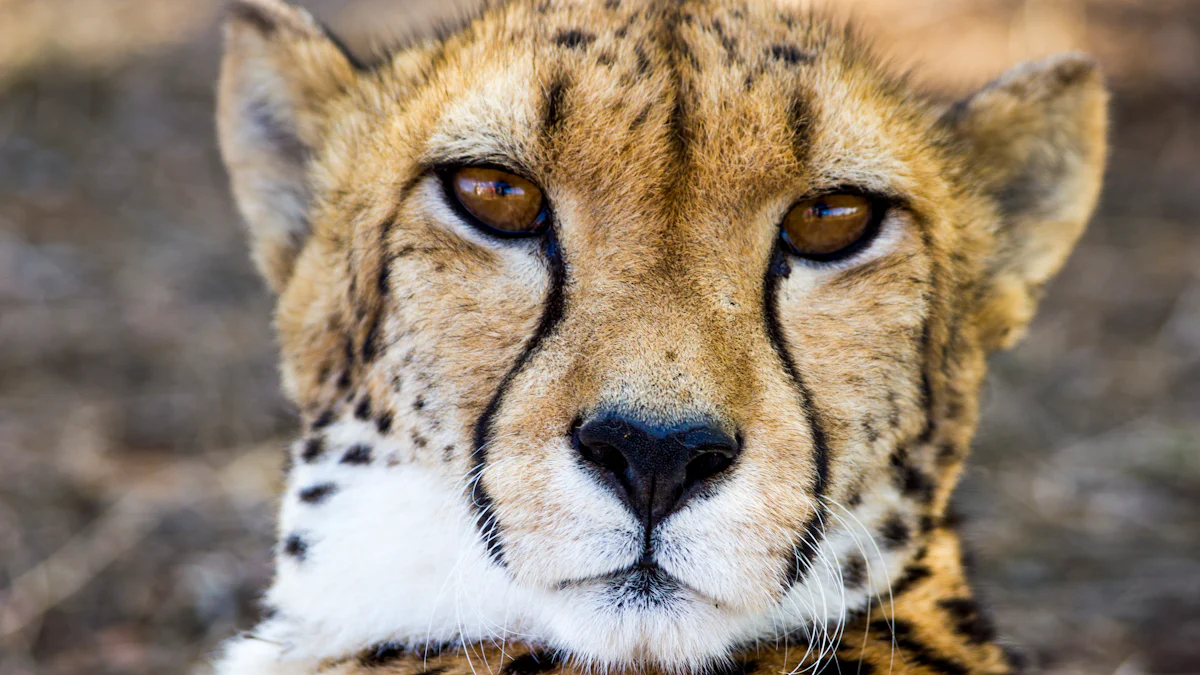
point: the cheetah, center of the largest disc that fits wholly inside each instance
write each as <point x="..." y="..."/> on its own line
<point x="636" y="335"/>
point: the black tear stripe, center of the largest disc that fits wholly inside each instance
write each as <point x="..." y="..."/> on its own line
<point x="481" y="502"/>
<point x="808" y="541"/>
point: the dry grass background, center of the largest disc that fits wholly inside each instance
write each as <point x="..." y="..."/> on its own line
<point x="140" y="425"/>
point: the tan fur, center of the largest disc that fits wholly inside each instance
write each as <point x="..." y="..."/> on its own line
<point x="680" y="134"/>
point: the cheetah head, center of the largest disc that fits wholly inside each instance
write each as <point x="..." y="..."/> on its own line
<point x="639" y="329"/>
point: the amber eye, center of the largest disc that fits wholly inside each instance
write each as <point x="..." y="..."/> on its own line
<point x="829" y="227"/>
<point x="500" y="200"/>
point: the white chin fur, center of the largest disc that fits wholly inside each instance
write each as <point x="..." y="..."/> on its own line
<point x="393" y="555"/>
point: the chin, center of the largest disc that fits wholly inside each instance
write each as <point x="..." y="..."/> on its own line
<point x="644" y="617"/>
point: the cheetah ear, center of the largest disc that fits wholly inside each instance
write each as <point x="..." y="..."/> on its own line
<point x="279" y="70"/>
<point x="1035" y="143"/>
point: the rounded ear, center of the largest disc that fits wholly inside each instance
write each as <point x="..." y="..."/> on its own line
<point x="279" y="70"/>
<point x="1035" y="142"/>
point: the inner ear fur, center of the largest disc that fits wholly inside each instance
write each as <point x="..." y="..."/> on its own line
<point x="1035" y="142"/>
<point x="279" y="70"/>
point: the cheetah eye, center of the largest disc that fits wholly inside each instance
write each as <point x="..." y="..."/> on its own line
<point x="503" y="203"/>
<point x="832" y="226"/>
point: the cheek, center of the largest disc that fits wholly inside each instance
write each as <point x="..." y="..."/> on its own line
<point x="459" y="323"/>
<point x="859" y="348"/>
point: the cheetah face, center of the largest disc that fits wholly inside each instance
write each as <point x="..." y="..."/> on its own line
<point x="641" y="330"/>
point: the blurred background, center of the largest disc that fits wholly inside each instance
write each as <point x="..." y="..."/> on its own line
<point x="141" y="432"/>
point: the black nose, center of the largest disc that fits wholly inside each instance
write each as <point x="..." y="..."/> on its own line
<point x="655" y="468"/>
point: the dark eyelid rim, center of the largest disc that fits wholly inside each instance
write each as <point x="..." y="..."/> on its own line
<point x="881" y="205"/>
<point x="444" y="172"/>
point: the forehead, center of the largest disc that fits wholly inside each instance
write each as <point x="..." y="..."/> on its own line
<point x="728" y="94"/>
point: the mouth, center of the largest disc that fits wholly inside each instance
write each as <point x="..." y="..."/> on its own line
<point x="642" y="585"/>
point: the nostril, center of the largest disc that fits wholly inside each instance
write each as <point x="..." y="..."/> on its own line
<point x="607" y="457"/>
<point x="706" y="465"/>
<point x="600" y="453"/>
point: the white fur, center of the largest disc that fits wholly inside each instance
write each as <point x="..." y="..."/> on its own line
<point x="394" y="556"/>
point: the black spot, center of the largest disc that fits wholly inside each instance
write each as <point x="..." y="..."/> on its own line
<point x="909" y="479"/>
<point x="895" y="532"/>
<point x="573" y="38"/>
<point x="800" y="123"/>
<point x="790" y="54"/>
<point x="295" y="546"/>
<point x="419" y="403"/>
<point x="363" y="410"/>
<point x="612" y="4"/>
<point x="323" y="420"/>
<point x="947" y="453"/>
<point x="643" y="61"/>
<point x="727" y="42"/>
<point x="855" y="499"/>
<point x="382" y="281"/>
<point x="926" y="524"/>
<point x="870" y="431"/>
<point x="370" y="346"/>
<point x="357" y="454"/>
<point x="314" y="448"/>
<point x="317" y="493"/>
<point x="913" y="574"/>
<point x="969" y="620"/>
<point x="916" y="651"/>
<point x="381" y="654"/>
<point x="343" y="382"/>
<point x="384" y="424"/>
<point x="419" y="440"/>
<point x="678" y="122"/>
<point x="531" y="664"/>
<point x="555" y="96"/>
<point x="854" y="571"/>
<point x="448" y="453"/>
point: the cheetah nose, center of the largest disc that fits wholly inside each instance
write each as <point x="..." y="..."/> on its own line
<point x="655" y="469"/>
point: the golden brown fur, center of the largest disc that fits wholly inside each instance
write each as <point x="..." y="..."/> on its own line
<point x="669" y="138"/>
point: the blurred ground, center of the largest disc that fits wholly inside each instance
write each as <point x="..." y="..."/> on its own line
<point x="139" y="417"/>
